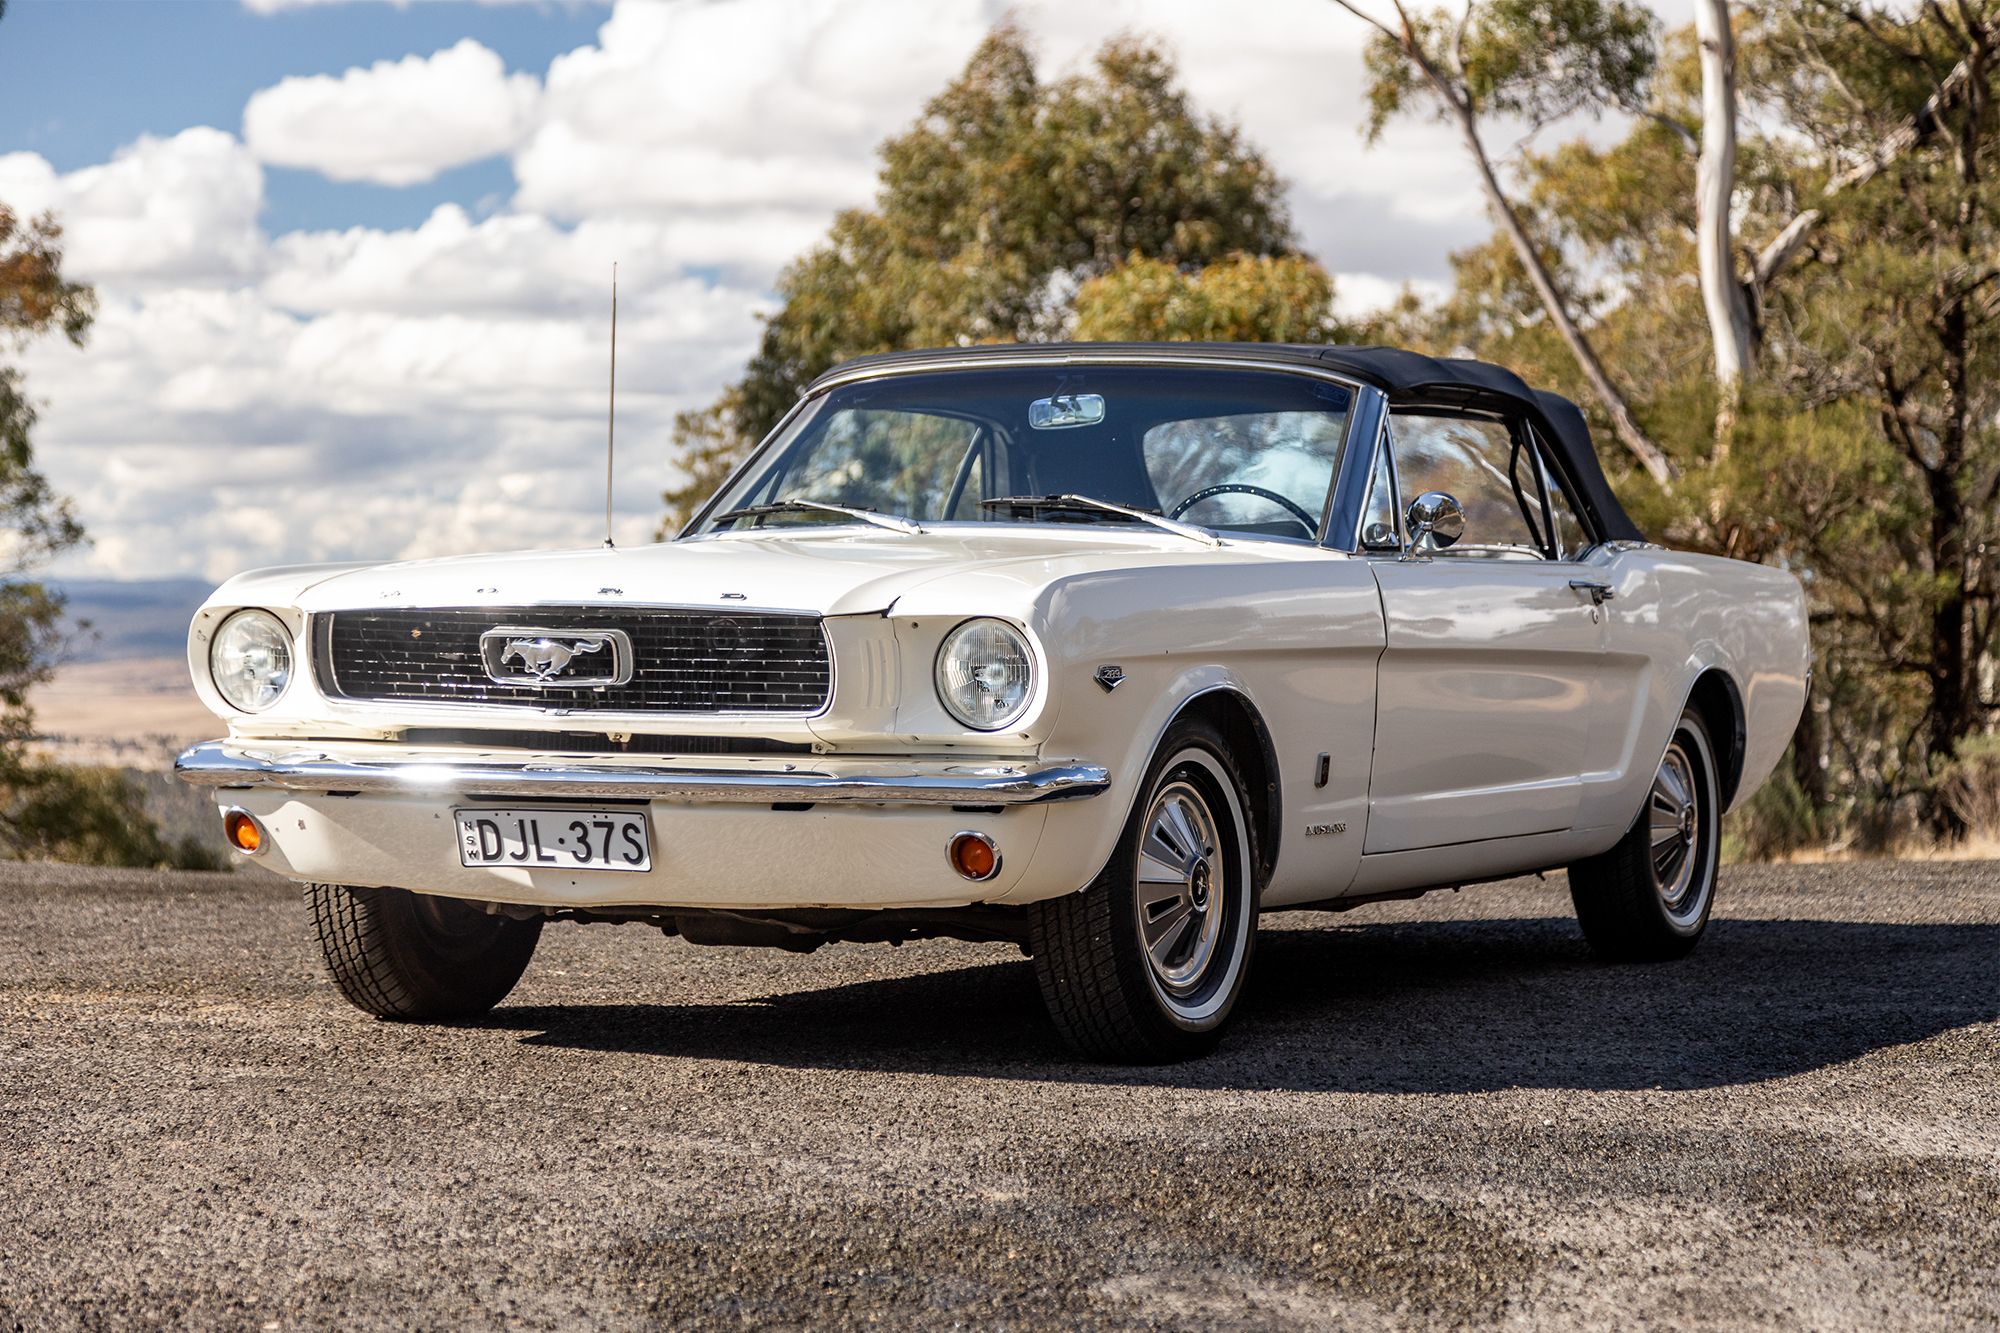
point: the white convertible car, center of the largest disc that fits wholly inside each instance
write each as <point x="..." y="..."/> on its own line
<point x="1101" y="649"/>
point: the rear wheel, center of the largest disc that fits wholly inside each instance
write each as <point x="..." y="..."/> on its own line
<point x="1648" y="898"/>
<point x="397" y="954"/>
<point x="1145" y="965"/>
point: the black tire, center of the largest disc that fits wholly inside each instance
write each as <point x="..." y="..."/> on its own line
<point x="1648" y="899"/>
<point x="1109" y="996"/>
<point x="397" y="954"/>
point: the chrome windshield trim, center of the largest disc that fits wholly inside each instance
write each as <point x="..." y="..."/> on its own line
<point x="239" y="764"/>
<point x="1074" y="355"/>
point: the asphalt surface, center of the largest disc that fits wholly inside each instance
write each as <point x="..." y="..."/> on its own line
<point x="1436" y="1114"/>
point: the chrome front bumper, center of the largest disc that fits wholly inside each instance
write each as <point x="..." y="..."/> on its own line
<point x="240" y="764"/>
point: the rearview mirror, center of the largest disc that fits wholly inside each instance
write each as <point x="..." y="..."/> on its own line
<point x="1066" y="410"/>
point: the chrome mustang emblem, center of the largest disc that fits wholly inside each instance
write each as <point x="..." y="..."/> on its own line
<point x="546" y="658"/>
<point x="556" y="659"/>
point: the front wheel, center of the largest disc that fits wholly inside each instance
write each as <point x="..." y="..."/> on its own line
<point x="1648" y="898"/>
<point x="397" y="954"/>
<point x="1145" y="965"/>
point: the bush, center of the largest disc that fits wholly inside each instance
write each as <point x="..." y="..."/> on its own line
<point x="1969" y="787"/>
<point x="89" y="816"/>
<point x="1775" y="822"/>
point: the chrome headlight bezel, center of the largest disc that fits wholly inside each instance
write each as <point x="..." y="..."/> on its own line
<point x="230" y="637"/>
<point x="996" y="644"/>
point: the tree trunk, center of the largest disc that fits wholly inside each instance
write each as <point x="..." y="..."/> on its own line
<point x="1715" y="181"/>
<point x="1951" y="718"/>
<point x="1642" y="448"/>
<point x="1806" y="770"/>
<point x="1954" y="695"/>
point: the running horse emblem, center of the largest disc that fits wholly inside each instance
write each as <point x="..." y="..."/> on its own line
<point x="548" y="657"/>
<point x="545" y="659"/>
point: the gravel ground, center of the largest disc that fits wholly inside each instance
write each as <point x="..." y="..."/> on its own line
<point x="1438" y="1114"/>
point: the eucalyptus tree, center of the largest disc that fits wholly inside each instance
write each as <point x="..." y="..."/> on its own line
<point x="49" y="810"/>
<point x="1006" y="197"/>
<point x="1899" y="311"/>
<point x="1536" y="61"/>
<point x="1243" y="298"/>
<point x="36" y="524"/>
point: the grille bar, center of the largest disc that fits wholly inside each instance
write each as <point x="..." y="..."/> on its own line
<point x="597" y="742"/>
<point x="684" y="661"/>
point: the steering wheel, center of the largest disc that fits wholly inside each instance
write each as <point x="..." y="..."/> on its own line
<point x="1237" y="488"/>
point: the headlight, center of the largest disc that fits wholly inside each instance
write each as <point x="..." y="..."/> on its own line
<point x="985" y="674"/>
<point x="250" y="660"/>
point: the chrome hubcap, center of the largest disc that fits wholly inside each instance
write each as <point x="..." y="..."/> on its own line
<point x="1675" y="830"/>
<point x="1180" y="905"/>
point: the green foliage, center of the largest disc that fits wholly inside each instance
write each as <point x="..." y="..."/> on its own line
<point x="1005" y="198"/>
<point x="36" y="524"/>
<point x="1536" y="60"/>
<point x="1865" y="455"/>
<point x="50" y="811"/>
<point x="90" y="816"/>
<point x="34" y="296"/>
<point x="1243" y="298"/>
<point x="1777" y="820"/>
<point x="712" y="442"/>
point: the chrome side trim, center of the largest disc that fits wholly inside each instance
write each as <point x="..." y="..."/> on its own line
<point x="237" y="764"/>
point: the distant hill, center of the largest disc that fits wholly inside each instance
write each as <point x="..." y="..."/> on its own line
<point x="146" y="618"/>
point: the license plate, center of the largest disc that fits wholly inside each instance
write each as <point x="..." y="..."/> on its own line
<point x="554" y="839"/>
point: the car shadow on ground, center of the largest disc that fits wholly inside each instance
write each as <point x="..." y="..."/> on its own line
<point x="1438" y="1007"/>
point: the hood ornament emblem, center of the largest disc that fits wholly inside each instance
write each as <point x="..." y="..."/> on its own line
<point x="556" y="659"/>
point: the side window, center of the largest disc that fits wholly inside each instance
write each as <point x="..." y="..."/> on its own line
<point x="1570" y="536"/>
<point x="1378" y="522"/>
<point x="1489" y="469"/>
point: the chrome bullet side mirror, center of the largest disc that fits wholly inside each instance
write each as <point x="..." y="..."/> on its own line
<point x="1435" y="521"/>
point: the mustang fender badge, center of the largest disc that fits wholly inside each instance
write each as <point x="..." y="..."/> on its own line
<point x="1321" y="830"/>
<point x="556" y="659"/>
<point x="1110" y="677"/>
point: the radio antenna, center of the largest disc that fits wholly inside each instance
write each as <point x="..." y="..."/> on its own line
<point x="611" y="417"/>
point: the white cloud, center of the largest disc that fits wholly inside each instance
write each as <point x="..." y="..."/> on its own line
<point x="750" y="104"/>
<point x="1358" y="294"/>
<point x="397" y="122"/>
<point x="178" y="210"/>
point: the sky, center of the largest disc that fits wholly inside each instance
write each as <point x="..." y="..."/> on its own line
<point x="354" y="257"/>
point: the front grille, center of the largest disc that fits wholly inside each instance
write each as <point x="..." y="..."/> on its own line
<point x="683" y="661"/>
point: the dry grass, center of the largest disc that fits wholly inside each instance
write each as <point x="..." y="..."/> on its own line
<point x="1978" y="846"/>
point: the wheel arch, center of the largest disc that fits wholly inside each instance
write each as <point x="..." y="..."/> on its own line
<point x="1716" y="697"/>
<point x="1243" y="728"/>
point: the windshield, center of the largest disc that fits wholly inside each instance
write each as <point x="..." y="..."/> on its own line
<point x="1245" y="451"/>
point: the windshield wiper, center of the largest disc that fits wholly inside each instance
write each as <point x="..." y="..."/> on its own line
<point x="1086" y="504"/>
<point x="889" y="521"/>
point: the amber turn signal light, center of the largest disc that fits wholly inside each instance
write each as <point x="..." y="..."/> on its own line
<point x="245" y="834"/>
<point x="974" y="856"/>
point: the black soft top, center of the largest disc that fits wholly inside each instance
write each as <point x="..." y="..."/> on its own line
<point x="1406" y="377"/>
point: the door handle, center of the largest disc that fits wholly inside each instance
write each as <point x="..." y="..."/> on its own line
<point x="1600" y="593"/>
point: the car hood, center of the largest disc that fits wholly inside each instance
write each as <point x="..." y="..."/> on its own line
<point x="826" y="572"/>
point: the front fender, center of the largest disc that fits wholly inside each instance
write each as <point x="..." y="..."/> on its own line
<point x="1127" y="732"/>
